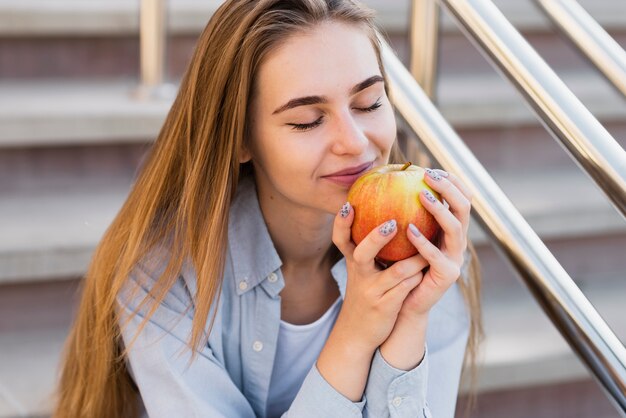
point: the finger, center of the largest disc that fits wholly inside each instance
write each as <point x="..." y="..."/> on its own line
<point x="454" y="231"/>
<point x="452" y="178"/>
<point x="401" y="270"/>
<point x="440" y="265"/>
<point x="366" y="251"/>
<point x="460" y="206"/>
<point x="397" y="294"/>
<point x="341" y="230"/>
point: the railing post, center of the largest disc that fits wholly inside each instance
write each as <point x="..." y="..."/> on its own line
<point x="424" y="33"/>
<point x="423" y="50"/>
<point x="152" y="42"/>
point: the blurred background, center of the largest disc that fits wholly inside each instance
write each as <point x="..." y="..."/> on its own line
<point x="73" y="132"/>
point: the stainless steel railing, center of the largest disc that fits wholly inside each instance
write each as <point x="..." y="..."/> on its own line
<point x="590" y="38"/>
<point x="553" y="288"/>
<point x="581" y="134"/>
<point x="569" y="121"/>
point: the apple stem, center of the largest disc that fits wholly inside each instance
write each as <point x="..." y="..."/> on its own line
<point x="405" y="166"/>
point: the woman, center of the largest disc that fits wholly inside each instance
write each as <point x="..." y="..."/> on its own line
<point x="228" y="285"/>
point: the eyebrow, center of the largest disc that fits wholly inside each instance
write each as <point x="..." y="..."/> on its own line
<point x="310" y="100"/>
<point x="365" y="84"/>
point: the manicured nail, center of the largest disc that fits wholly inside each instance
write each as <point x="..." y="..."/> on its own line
<point x="345" y="210"/>
<point x="414" y="230"/>
<point x="431" y="198"/>
<point x="387" y="228"/>
<point x="433" y="174"/>
<point x="441" y="172"/>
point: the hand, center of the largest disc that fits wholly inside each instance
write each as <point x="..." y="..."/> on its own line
<point x="446" y="261"/>
<point x="370" y="307"/>
<point x="374" y="296"/>
<point x="404" y="348"/>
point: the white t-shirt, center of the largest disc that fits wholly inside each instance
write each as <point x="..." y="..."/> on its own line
<point x="298" y="348"/>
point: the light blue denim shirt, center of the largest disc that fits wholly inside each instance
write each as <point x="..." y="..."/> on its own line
<point x="230" y="376"/>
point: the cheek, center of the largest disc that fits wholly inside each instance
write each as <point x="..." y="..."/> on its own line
<point x="383" y="129"/>
<point x="283" y="156"/>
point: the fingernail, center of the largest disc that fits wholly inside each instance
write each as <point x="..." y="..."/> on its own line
<point x="345" y="210"/>
<point x="433" y="175"/>
<point x="431" y="198"/>
<point x="414" y="230"/>
<point x="387" y="228"/>
<point x="441" y="172"/>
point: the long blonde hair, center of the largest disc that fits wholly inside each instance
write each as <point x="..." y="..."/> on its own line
<point x="183" y="194"/>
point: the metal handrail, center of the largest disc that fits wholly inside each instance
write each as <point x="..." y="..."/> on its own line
<point x="590" y="38"/>
<point x="553" y="288"/>
<point x="569" y="121"/>
<point x="563" y="302"/>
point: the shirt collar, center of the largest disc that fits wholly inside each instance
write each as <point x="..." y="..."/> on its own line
<point x="252" y="250"/>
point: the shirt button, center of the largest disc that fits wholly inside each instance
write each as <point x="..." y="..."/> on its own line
<point x="257" y="346"/>
<point x="243" y="285"/>
<point x="272" y="278"/>
<point x="397" y="401"/>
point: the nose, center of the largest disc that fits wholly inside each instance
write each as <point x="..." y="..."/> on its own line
<point x="349" y="137"/>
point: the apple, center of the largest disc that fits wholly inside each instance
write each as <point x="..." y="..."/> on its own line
<point x="392" y="192"/>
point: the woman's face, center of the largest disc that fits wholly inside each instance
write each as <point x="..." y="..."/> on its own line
<point x="320" y="108"/>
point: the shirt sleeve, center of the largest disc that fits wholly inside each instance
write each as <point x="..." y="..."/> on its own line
<point x="431" y="388"/>
<point x="159" y="361"/>
<point x="396" y="393"/>
<point x="317" y="398"/>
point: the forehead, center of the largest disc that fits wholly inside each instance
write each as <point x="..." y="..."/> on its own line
<point x="329" y="58"/>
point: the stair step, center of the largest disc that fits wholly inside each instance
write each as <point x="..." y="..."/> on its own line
<point x="479" y="100"/>
<point x="115" y="17"/>
<point x="575" y="399"/>
<point x="69" y="112"/>
<point x="53" y="113"/>
<point x="48" y="235"/>
<point x="557" y="203"/>
<point x="73" y="39"/>
<point x="522" y="348"/>
<point x="52" y="235"/>
<point x="28" y="372"/>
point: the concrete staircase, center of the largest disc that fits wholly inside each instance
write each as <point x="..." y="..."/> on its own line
<point x="72" y="137"/>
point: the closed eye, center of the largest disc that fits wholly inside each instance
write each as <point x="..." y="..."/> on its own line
<point x="306" y="126"/>
<point x="373" y="107"/>
<point x="318" y="121"/>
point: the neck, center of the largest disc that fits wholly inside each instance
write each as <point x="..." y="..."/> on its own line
<point x="302" y="236"/>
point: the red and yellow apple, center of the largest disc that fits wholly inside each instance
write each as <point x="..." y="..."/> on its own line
<point x="391" y="192"/>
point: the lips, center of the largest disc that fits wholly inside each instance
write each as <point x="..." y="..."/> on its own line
<point x="348" y="176"/>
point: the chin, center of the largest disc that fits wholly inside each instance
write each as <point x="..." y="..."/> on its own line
<point x="332" y="205"/>
<point x="339" y="202"/>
